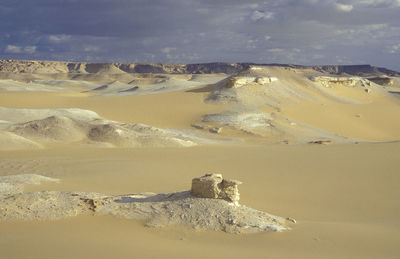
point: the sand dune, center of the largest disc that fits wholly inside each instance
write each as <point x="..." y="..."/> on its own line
<point x="111" y="87"/>
<point x="273" y="86"/>
<point x="77" y="126"/>
<point x="260" y="97"/>
<point x="136" y="135"/>
<point x="11" y="141"/>
<point x="51" y="128"/>
<point x="153" y="85"/>
<point x="24" y="115"/>
<point x="12" y="85"/>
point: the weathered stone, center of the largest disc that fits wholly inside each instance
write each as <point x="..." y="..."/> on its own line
<point x="230" y="190"/>
<point x="215" y="187"/>
<point x="207" y="186"/>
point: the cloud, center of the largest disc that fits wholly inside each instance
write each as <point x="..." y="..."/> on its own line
<point x="380" y="3"/>
<point x="30" y="49"/>
<point x="394" y="49"/>
<point x="13" y="49"/>
<point x="167" y="50"/>
<point x="344" y="7"/>
<point x="59" y="38"/>
<point x="261" y="15"/>
<point x="276" y="50"/>
<point x="91" y="48"/>
<point x="318" y="56"/>
<point x="196" y="31"/>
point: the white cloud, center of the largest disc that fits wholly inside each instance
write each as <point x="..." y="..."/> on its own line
<point x="318" y="46"/>
<point x="344" y="7"/>
<point x="312" y="2"/>
<point x="168" y="53"/>
<point x="317" y="56"/>
<point x="267" y="37"/>
<point x="261" y="15"/>
<point x="167" y="50"/>
<point x="395" y="49"/>
<point x="59" y="38"/>
<point x="30" y="49"/>
<point x="13" y="49"/>
<point x="275" y="50"/>
<point x="253" y="6"/>
<point x="379" y="2"/>
<point x="91" y="48"/>
<point x="365" y="35"/>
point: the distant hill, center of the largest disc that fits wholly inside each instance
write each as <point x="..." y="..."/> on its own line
<point x="59" y="67"/>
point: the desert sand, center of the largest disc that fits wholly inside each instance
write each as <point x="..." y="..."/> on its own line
<point x="316" y="144"/>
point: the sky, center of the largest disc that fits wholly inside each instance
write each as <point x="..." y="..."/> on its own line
<point x="307" y="32"/>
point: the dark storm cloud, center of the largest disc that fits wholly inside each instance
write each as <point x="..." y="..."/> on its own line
<point x="189" y="31"/>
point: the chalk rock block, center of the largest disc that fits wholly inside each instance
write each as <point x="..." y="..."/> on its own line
<point x="207" y="186"/>
<point x="215" y="187"/>
<point x="230" y="190"/>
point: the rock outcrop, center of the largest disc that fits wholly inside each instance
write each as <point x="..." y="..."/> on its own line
<point x="215" y="187"/>
<point x="237" y="82"/>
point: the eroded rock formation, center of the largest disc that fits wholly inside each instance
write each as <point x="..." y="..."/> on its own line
<point x="215" y="187"/>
